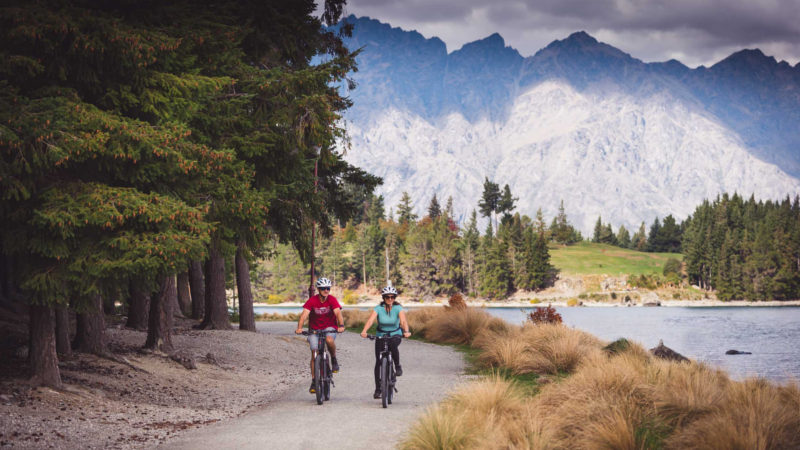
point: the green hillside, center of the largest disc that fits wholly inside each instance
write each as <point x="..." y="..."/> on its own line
<point x="588" y="258"/>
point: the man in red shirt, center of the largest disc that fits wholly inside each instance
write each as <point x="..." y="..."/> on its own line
<point x="325" y="314"/>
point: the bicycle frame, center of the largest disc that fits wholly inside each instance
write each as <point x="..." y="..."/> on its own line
<point x="323" y="375"/>
<point x="388" y="379"/>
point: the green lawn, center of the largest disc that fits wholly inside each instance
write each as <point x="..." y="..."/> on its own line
<point x="587" y="258"/>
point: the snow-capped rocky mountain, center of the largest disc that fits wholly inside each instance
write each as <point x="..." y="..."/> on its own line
<point x="579" y="121"/>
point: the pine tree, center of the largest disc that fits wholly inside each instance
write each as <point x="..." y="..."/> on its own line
<point x="434" y="210"/>
<point x="623" y="237"/>
<point x="405" y="210"/>
<point x="506" y="204"/>
<point x="470" y="243"/>
<point x="490" y="199"/>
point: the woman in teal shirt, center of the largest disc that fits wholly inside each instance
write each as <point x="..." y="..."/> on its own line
<point x="391" y="319"/>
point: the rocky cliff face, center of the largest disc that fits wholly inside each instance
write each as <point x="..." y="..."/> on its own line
<point x="580" y="121"/>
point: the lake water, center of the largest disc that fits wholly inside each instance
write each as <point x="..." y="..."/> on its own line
<point x="772" y="334"/>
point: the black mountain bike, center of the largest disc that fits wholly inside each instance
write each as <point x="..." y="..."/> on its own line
<point x="388" y="379"/>
<point x="323" y="374"/>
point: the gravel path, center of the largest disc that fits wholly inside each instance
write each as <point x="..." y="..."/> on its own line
<point x="352" y="418"/>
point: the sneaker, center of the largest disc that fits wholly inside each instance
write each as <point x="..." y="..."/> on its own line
<point x="335" y="365"/>
<point x="377" y="393"/>
<point x="313" y="388"/>
<point x="398" y="371"/>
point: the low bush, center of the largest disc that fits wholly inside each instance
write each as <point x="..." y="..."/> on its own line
<point x="572" y="302"/>
<point x="457" y="302"/>
<point x="545" y="314"/>
<point x="273" y="299"/>
<point x="349" y="297"/>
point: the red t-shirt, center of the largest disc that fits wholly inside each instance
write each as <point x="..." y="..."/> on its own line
<point x="322" y="315"/>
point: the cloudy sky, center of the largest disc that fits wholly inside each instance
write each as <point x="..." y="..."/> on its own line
<point x="694" y="32"/>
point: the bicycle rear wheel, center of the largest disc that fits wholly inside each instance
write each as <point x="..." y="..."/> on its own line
<point x="385" y="382"/>
<point x="319" y="374"/>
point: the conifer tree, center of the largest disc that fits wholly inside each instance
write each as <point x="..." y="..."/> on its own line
<point x="405" y="210"/>
<point x="490" y="199"/>
<point x="434" y="210"/>
<point x="470" y="242"/>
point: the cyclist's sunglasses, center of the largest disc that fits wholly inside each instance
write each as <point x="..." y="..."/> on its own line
<point x="324" y="289"/>
<point x="389" y="296"/>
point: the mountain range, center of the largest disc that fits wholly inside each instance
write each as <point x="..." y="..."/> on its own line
<point x="579" y="121"/>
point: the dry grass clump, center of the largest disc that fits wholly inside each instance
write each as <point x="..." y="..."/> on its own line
<point x="753" y="414"/>
<point x="419" y="318"/>
<point x="544" y="348"/>
<point x="490" y="413"/>
<point x="606" y="403"/>
<point x="685" y="392"/>
<point x="355" y="317"/>
<point x="461" y="326"/>
<point x="277" y="317"/>
<point x="618" y="396"/>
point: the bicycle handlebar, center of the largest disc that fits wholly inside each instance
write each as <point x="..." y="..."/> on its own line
<point x="307" y="333"/>
<point x="372" y="337"/>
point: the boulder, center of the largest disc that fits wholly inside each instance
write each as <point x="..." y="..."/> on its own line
<point x="664" y="352"/>
<point x="737" y="352"/>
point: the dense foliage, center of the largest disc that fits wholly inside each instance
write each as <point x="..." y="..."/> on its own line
<point x="433" y="255"/>
<point x="139" y="137"/>
<point x="745" y="249"/>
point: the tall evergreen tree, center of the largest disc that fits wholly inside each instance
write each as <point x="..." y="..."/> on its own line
<point x="490" y="199"/>
<point x="405" y="210"/>
<point x="434" y="210"/>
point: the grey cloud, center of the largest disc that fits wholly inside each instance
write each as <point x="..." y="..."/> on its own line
<point x="651" y="30"/>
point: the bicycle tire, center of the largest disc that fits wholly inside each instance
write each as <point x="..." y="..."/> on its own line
<point x="385" y="382"/>
<point x="319" y="371"/>
<point x="326" y="385"/>
<point x="391" y="383"/>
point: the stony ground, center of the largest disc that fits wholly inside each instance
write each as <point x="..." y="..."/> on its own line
<point x="106" y="404"/>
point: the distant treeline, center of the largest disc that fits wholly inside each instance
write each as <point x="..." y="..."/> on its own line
<point x="432" y="255"/>
<point x="744" y="249"/>
<point x="741" y="249"/>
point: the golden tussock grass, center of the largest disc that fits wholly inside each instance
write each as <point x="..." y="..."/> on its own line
<point x="490" y="413"/>
<point x="355" y="317"/>
<point x="623" y="398"/>
<point x="461" y="326"/>
<point x="544" y="348"/>
<point x="754" y="414"/>
<point x="419" y="318"/>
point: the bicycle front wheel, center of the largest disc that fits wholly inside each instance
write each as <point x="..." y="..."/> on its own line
<point x="392" y="380"/>
<point x="385" y="382"/>
<point x="326" y="383"/>
<point x="319" y="375"/>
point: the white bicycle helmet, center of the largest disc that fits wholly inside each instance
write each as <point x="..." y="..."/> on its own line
<point x="324" y="283"/>
<point x="388" y="290"/>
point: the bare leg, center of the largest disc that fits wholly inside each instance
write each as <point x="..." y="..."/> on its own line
<point x="331" y="346"/>
<point x="312" y="364"/>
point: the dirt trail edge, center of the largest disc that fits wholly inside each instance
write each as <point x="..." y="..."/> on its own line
<point x="352" y="418"/>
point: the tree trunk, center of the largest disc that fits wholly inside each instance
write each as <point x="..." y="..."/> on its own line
<point x="198" y="289"/>
<point x="139" y="306"/>
<point x="63" y="345"/>
<point x="184" y="295"/>
<point x="109" y="307"/>
<point x="216" y="307"/>
<point x="246" y="314"/>
<point x="42" y="357"/>
<point x="173" y="299"/>
<point x="90" y="334"/>
<point x="159" y="331"/>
